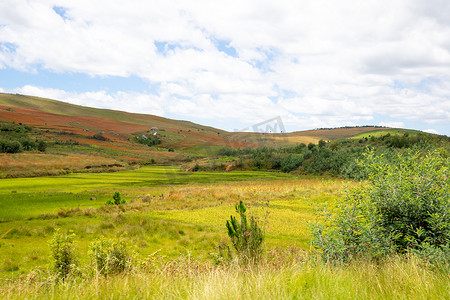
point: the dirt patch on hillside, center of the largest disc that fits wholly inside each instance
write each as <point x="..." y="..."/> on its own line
<point x="76" y="124"/>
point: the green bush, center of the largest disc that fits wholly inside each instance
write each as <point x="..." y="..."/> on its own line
<point x="62" y="246"/>
<point x="246" y="238"/>
<point x="99" y="136"/>
<point x="405" y="206"/>
<point x="117" y="199"/>
<point x="14" y="147"/>
<point x="149" y="140"/>
<point x="27" y="144"/>
<point x="110" y="256"/>
<point x="42" y="146"/>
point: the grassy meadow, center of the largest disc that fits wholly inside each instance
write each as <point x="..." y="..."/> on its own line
<point x="174" y="221"/>
<point x="185" y="206"/>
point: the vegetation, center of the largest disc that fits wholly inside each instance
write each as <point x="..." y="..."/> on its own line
<point x="99" y="136"/>
<point x="337" y="157"/>
<point x="63" y="254"/>
<point x="149" y="139"/>
<point x="117" y="199"/>
<point x="172" y="227"/>
<point x="403" y="207"/>
<point x="15" y="138"/>
<point x="247" y="238"/>
<point x="169" y="240"/>
<point x="110" y="257"/>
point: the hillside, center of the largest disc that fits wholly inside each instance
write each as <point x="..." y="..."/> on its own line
<point x="90" y="139"/>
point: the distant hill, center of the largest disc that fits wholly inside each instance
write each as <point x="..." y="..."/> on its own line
<point x="72" y="133"/>
<point x="67" y="109"/>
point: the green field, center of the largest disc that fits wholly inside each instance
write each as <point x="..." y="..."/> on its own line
<point x="173" y="221"/>
<point x="29" y="197"/>
<point x="167" y="209"/>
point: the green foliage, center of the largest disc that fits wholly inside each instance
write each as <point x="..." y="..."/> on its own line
<point x="11" y="146"/>
<point x="62" y="246"/>
<point x="117" y="199"/>
<point x="291" y="162"/>
<point x="322" y="143"/>
<point x="337" y="157"/>
<point x="412" y="198"/>
<point x="41" y="146"/>
<point x="149" y="140"/>
<point x="110" y="256"/>
<point x="246" y="238"/>
<point x="404" y="206"/>
<point x="99" y="136"/>
<point x="15" y="139"/>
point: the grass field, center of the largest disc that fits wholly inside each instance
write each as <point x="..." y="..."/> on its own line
<point x="173" y="220"/>
<point x="381" y="132"/>
<point x="187" y="206"/>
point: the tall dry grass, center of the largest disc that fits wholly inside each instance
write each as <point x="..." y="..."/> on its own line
<point x="279" y="276"/>
<point x="39" y="164"/>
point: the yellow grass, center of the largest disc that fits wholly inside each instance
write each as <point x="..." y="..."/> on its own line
<point x="38" y="164"/>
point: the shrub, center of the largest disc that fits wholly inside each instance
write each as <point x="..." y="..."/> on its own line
<point x="196" y="168"/>
<point x="99" y="136"/>
<point x="7" y="127"/>
<point x="41" y="146"/>
<point x="27" y="144"/>
<point x="117" y="199"/>
<point x="149" y="140"/>
<point x="14" y="147"/>
<point x="291" y="162"/>
<point x="62" y="246"/>
<point x="246" y="238"/>
<point x="110" y="256"/>
<point x="404" y="206"/>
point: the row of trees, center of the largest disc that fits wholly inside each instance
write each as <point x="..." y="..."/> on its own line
<point x="336" y="157"/>
<point x="17" y="146"/>
<point x="15" y="138"/>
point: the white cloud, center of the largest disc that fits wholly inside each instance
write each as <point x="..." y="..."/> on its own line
<point x="125" y="101"/>
<point x="392" y="124"/>
<point x="431" y="131"/>
<point x="316" y="63"/>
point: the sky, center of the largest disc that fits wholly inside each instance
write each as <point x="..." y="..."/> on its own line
<point x="231" y="64"/>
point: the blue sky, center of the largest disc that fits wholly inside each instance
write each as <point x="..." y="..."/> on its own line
<point x="237" y="63"/>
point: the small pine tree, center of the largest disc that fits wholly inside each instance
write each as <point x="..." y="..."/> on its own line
<point x="246" y="238"/>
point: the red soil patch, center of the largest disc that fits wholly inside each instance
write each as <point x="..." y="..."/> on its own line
<point x="73" y="123"/>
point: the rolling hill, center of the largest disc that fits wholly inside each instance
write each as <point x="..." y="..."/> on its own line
<point x="70" y="132"/>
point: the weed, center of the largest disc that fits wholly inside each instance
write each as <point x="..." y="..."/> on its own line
<point x="110" y="256"/>
<point x="62" y="246"/>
